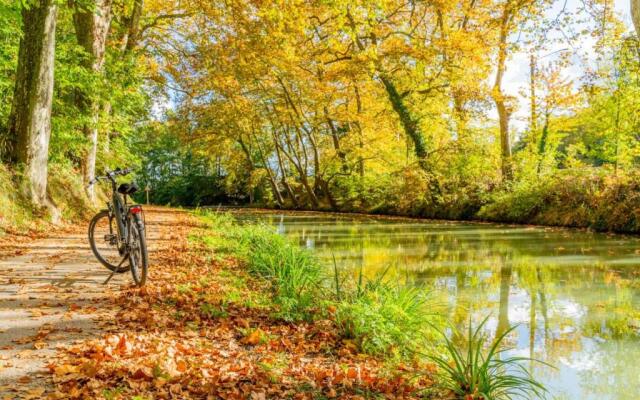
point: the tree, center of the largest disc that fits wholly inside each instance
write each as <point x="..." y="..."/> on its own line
<point x="30" y="119"/>
<point x="92" y="27"/>
<point x="499" y="97"/>
<point x="635" y="14"/>
<point x="513" y="14"/>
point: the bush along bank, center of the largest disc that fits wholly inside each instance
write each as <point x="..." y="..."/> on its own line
<point x="586" y="198"/>
<point x="394" y="324"/>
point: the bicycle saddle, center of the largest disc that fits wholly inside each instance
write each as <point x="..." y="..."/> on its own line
<point x="127" y="188"/>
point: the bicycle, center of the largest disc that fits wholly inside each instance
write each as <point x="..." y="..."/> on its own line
<point x="117" y="234"/>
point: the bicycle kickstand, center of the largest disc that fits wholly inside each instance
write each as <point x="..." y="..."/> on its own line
<point x="115" y="269"/>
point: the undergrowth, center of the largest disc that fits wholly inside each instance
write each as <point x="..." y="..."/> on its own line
<point x="375" y="315"/>
<point x="65" y="190"/>
<point x="588" y="199"/>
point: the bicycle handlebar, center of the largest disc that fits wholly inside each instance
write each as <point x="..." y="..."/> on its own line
<point x="110" y="175"/>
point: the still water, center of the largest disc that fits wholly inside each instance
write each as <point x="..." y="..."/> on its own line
<point x="574" y="295"/>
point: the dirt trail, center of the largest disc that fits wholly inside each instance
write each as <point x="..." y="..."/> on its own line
<point x="52" y="294"/>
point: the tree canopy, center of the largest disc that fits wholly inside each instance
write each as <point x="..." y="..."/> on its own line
<point x="379" y="106"/>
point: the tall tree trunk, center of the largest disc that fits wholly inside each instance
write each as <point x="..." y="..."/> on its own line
<point x="542" y="145"/>
<point x="409" y="124"/>
<point x="30" y="120"/>
<point x="359" y="129"/>
<point x="460" y="113"/>
<point x="283" y="173"/>
<point x="635" y="15"/>
<point x="133" y="35"/>
<point x="92" y="27"/>
<point x="533" y="123"/>
<point x="336" y="141"/>
<point x="499" y="98"/>
<point x="270" y="174"/>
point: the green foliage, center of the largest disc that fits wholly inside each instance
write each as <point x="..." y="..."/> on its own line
<point x="385" y="319"/>
<point x="294" y="275"/>
<point x="587" y="199"/>
<point x="175" y="173"/>
<point x="10" y="32"/>
<point x="486" y="374"/>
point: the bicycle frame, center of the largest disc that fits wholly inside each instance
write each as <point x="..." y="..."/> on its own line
<point x="117" y="208"/>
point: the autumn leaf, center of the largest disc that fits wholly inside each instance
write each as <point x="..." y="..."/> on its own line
<point x="254" y="338"/>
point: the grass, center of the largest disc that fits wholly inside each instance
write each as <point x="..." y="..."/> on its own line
<point x="479" y="374"/>
<point x="294" y="276"/>
<point x="294" y="273"/>
<point x="384" y="318"/>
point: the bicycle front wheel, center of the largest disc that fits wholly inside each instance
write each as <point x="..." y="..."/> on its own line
<point x="103" y="237"/>
<point x="138" y="256"/>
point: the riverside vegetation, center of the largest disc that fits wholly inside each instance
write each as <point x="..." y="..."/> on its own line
<point x="380" y="318"/>
<point x="224" y="318"/>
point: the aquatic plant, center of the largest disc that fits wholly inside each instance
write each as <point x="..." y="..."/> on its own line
<point x="482" y="373"/>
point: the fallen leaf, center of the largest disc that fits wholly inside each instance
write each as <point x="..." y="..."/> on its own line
<point x="254" y="338"/>
<point x="39" y="345"/>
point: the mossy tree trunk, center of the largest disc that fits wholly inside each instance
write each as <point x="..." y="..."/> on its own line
<point x="92" y="27"/>
<point x="407" y="120"/>
<point x="132" y="36"/>
<point x="30" y="119"/>
<point x="409" y="123"/>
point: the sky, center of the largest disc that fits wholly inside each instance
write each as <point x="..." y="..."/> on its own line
<point x="517" y="76"/>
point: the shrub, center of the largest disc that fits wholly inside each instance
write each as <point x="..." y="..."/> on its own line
<point x="586" y="199"/>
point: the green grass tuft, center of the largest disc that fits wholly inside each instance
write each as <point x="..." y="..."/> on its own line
<point x="479" y="374"/>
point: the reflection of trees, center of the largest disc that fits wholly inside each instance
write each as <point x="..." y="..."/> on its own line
<point x="543" y="300"/>
<point x="505" y="286"/>
<point x="616" y="374"/>
<point x="616" y="315"/>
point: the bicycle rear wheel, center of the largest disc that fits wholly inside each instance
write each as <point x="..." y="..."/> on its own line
<point x="138" y="256"/>
<point x="103" y="237"/>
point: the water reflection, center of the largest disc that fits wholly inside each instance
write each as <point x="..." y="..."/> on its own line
<point x="575" y="294"/>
